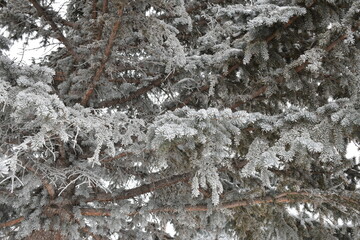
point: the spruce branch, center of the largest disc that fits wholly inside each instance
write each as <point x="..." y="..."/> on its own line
<point x="297" y="69"/>
<point x="12" y="222"/>
<point x="42" y="12"/>
<point x="137" y="93"/>
<point x="271" y="37"/>
<point x="281" y="198"/>
<point x="146" y="188"/>
<point x="94" y="9"/>
<point x="68" y="23"/>
<point x="106" y="56"/>
<point x="47" y="185"/>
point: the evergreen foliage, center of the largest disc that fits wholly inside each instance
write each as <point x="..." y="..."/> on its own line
<point x="227" y="119"/>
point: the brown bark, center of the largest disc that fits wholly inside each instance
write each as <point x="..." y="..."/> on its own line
<point x="96" y="78"/>
<point x="45" y="235"/>
<point x="135" y="94"/>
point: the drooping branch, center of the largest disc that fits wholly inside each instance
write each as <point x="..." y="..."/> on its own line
<point x="42" y="12"/>
<point x="106" y="56"/>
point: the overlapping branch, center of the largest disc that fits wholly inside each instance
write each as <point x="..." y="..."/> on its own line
<point x="42" y="12"/>
<point x="272" y="36"/>
<point x="297" y="69"/>
<point x="281" y="198"/>
<point x="12" y="222"/>
<point x="106" y="56"/>
<point x="135" y="94"/>
<point x="146" y="188"/>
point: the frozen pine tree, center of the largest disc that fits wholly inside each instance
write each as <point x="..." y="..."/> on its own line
<point x="227" y="119"/>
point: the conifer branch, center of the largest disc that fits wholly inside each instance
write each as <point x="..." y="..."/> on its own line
<point x="12" y="222"/>
<point x="297" y="69"/>
<point x="95" y="212"/>
<point x="94" y="9"/>
<point x="102" y="22"/>
<point x="48" y="186"/>
<point x="20" y="219"/>
<point x="42" y="12"/>
<point x="146" y="188"/>
<point x="204" y="88"/>
<point x="281" y="198"/>
<point x="288" y="24"/>
<point x="69" y="24"/>
<point x="89" y="232"/>
<point x="107" y="53"/>
<point x="121" y="155"/>
<point x="135" y="94"/>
